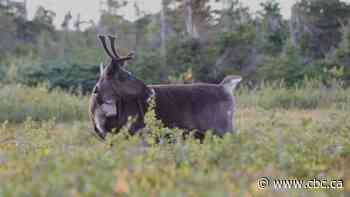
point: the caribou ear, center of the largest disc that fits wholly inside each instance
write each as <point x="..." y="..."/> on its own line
<point x="101" y="69"/>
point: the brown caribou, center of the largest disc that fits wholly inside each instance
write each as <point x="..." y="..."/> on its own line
<point x="119" y="95"/>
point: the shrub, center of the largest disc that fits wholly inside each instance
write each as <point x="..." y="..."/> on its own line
<point x="59" y="75"/>
<point x="48" y="158"/>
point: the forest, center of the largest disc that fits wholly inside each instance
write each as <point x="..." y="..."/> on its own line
<point x="185" y="42"/>
<point x="291" y="111"/>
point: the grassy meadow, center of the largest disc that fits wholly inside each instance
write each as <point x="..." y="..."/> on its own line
<point x="46" y="148"/>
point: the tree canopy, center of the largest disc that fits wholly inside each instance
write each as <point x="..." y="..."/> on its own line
<point x="187" y="38"/>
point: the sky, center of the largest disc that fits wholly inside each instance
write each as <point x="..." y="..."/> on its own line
<point x="89" y="9"/>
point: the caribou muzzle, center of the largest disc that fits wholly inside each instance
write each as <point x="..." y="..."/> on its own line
<point x="102" y="112"/>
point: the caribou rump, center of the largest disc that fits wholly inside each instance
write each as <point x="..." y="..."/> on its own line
<point x="119" y="95"/>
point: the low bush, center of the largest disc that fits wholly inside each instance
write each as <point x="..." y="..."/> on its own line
<point x="47" y="158"/>
<point x="59" y="75"/>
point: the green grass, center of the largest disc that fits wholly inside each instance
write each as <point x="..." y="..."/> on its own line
<point x="19" y="102"/>
<point x="308" y="96"/>
<point x="54" y="154"/>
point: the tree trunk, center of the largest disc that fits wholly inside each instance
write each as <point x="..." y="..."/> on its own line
<point x="163" y="51"/>
<point x="163" y="29"/>
<point x="190" y="25"/>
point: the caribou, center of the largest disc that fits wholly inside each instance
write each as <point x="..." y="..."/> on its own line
<point x="197" y="107"/>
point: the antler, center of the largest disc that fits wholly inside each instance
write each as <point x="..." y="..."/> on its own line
<point x="103" y="41"/>
<point x="115" y="52"/>
<point x="115" y="56"/>
<point x="112" y="41"/>
<point x="128" y="57"/>
<point x="101" y="69"/>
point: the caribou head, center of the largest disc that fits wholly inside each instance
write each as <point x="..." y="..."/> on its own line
<point x="114" y="85"/>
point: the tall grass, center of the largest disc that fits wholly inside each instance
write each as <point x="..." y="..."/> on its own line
<point x="19" y="102"/>
<point x="309" y="95"/>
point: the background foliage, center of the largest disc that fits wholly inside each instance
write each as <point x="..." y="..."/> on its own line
<point x="205" y="46"/>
